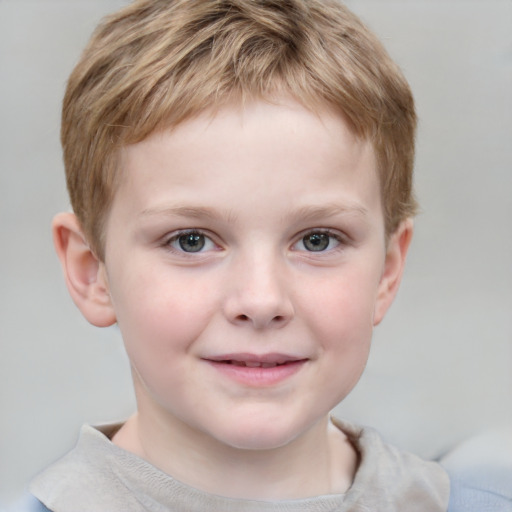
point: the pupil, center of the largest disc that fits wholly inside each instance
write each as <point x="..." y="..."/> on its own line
<point x="193" y="242"/>
<point x="316" y="242"/>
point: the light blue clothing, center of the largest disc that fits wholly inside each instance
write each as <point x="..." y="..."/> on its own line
<point x="480" y="491"/>
<point x="27" y="504"/>
<point x="480" y="471"/>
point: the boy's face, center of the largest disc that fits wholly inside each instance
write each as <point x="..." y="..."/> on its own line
<point x="246" y="264"/>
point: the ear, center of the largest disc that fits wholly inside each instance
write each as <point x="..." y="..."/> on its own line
<point x="85" y="275"/>
<point x="396" y="253"/>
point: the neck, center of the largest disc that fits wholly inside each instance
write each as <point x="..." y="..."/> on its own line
<point x="321" y="461"/>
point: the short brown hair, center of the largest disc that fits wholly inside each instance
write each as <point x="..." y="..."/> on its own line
<point x="156" y="63"/>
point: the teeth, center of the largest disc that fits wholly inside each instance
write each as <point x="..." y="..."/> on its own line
<point x="254" y="364"/>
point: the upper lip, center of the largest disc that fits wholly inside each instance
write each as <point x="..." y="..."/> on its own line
<point x="269" y="358"/>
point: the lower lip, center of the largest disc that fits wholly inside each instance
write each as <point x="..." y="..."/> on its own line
<point x="258" y="377"/>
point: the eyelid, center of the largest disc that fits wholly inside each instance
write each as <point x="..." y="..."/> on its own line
<point x="175" y="235"/>
<point x="340" y="237"/>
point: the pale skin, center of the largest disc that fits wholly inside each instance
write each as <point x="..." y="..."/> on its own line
<point x="246" y="264"/>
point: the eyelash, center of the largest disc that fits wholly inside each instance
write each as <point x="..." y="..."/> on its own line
<point x="168" y="243"/>
<point x="339" y="239"/>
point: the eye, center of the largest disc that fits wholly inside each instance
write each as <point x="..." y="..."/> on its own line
<point x="191" y="242"/>
<point x="318" y="241"/>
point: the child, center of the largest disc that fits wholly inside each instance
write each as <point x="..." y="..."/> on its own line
<point x="241" y="178"/>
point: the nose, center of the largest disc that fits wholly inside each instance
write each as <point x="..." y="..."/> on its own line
<point x="259" y="294"/>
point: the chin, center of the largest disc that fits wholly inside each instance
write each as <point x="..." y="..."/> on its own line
<point x="258" y="442"/>
<point x="259" y="437"/>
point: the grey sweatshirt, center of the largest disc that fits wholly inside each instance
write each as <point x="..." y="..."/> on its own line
<point x="98" y="476"/>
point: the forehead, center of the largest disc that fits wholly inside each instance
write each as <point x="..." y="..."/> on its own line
<point x="261" y="151"/>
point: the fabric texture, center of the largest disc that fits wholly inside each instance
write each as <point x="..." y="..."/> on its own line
<point x="101" y="477"/>
<point x="480" y="471"/>
<point x="26" y="504"/>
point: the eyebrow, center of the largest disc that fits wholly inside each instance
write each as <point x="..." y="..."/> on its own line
<point x="309" y="213"/>
<point x="313" y="213"/>
<point x="194" y="212"/>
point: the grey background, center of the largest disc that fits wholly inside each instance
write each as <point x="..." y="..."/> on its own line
<point x="441" y="365"/>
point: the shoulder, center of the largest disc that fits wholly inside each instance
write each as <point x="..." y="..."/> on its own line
<point x="480" y="471"/>
<point x="392" y="478"/>
<point x="27" y="504"/>
<point x="76" y="481"/>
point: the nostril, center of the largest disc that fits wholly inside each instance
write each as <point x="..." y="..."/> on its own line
<point x="260" y="317"/>
<point x="276" y="319"/>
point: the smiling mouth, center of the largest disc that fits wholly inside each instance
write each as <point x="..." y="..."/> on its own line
<point x="248" y="360"/>
<point x="253" y="364"/>
<point x="257" y="371"/>
<point x="264" y="361"/>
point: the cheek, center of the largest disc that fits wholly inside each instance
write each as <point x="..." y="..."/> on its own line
<point x="343" y="328"/>
<point x="341" y="323"/>
<point x="160" y="315"/>
<point x="342" y="307"/>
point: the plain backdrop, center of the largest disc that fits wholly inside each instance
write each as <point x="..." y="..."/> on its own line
<point x="441" y="365"/>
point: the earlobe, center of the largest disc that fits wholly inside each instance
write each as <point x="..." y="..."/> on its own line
<point x="396" y="254"/>
<point x="85" y="275"/>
